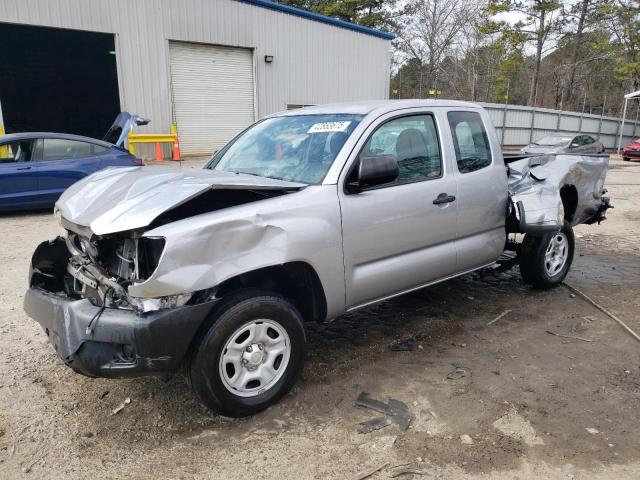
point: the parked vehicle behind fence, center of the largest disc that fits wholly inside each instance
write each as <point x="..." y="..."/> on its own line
<point x="304" y="216"/>
<point x="577" y="144"/>
<point x="631" y="151"/>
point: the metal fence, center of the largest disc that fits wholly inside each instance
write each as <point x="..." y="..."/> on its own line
<point x="519" y="125"/>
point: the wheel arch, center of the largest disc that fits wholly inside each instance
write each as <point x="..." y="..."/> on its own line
<point x="296" y="281"/>
<point x="569" y="197"/>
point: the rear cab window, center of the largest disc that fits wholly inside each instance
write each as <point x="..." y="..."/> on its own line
<point x="470" y="140"/>
<point x="413" y="142"/>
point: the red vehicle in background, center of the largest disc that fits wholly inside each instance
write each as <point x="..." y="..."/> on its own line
<point x="631" y="151"/>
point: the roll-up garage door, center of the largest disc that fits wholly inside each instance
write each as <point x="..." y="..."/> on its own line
<point x="212" y="90"/>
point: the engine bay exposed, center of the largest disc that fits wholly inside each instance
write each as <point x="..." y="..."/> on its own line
<point x="97" y="268"/>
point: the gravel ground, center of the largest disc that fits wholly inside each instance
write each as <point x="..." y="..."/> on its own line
<point x="530" y="405"/>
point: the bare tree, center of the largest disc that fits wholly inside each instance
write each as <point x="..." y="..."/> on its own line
<point x="539" y="24"/>
<point x="431" y="30"/>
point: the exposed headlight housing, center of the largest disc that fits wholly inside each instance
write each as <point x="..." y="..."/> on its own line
<point x="160" y="303"/>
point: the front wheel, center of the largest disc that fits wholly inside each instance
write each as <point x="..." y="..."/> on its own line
<point x="545" y="261"/>
<point x="251" y="354"/>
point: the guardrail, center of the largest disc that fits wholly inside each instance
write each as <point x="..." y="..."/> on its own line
<point x="157" y="139"/>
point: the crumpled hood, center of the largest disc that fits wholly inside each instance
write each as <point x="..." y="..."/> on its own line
<point x="120" y="199"/>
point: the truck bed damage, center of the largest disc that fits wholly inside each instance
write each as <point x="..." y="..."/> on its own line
<point x="546" y="190"/>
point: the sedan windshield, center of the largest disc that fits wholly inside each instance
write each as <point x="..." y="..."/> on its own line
<point x="297" y="148"/>
<point x="553" y="141"/>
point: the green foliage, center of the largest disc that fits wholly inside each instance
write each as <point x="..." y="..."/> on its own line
<point x="370" y="13"/>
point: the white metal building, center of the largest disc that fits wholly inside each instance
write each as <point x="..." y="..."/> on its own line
<point x="214" y="66"/>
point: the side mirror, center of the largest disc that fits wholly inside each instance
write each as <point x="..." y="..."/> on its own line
<point x="574" y="145"/>
<point x="372" y="171"/>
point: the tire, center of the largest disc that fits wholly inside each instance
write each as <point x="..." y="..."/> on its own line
<point x="626" y="159"/>
<point x="539" y="266"/>
<point x="256" y="334"/>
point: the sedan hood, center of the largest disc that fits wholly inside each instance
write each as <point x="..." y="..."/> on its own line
<point x="119" y="199"/>
<point x="541" y="149"/>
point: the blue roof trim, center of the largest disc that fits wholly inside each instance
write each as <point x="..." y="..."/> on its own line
<point x="320" y="18"/>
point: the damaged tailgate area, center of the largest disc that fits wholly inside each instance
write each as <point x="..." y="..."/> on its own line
<point x="546" y="190"/>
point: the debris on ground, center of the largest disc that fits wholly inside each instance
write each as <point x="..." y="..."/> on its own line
<point x="394" y="411"/>
<point x="498" y="317"/>
<point x="405" y="345"/>
<point x="28" y="467"/>
<point x="399" y="413"/>
<point x="120" y="407"/>
<point x="374" y="424"/>
<point x="574" y="337"/>
<point x="466" y="439"/>
<point x="407" y="471"/>
<point x="592" y="431"/>
<point x="457" y="374"/>
<point x="603" y="310"/>
<point x="364" y="400"/>
<point x="368" y="473"/>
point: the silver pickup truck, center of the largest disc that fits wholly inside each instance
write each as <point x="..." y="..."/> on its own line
<point x="302" y="217"/>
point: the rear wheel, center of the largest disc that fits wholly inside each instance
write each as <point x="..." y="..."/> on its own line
<point x="251" y="354"/>
<point x="545" y="260"/>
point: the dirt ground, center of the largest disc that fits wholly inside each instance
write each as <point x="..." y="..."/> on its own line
<point x="525" y="404"/>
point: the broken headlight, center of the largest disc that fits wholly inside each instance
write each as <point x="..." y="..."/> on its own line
<point x="160" y="303"/>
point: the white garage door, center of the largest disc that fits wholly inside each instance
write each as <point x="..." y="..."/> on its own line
<point x="212" y="89"/>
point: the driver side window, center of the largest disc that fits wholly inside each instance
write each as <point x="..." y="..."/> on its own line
<point x="18" y="151"/>
<point x="413" y="142"/>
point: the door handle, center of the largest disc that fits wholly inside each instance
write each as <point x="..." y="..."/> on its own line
<point x="23" y="168"/>
<point x="444" y="198"/>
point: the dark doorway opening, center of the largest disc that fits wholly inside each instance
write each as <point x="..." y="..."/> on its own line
<point x="57" y="80"/>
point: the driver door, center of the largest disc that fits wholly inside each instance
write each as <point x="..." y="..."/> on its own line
<point x="18" y="175"/>
<point x="395" y="238"/>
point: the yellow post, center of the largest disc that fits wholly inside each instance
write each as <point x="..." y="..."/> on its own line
<point x="4" y="151"/>
<point x="132" y="145"/>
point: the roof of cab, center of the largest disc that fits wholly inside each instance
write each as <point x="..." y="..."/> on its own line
<point x="16" y="137"/>
<point x="379" y="106"/>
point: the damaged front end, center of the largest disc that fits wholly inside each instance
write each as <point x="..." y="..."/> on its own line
<point x="93" y="288"/>
<point x="547" y="190"/>
<point x="78" y="293"/>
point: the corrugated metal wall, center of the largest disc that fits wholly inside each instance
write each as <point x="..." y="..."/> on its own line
<point x="313" y="62"/>
<point x="525" y="124"/>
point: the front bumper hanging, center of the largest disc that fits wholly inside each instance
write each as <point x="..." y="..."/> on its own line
<point x="123" y="343"/>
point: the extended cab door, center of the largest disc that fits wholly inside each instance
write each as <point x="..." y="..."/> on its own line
<point x="395" y="237"/>
<point x="482" y="189"/>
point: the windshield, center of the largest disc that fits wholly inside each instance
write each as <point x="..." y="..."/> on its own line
<point x="553" y="141"/>
<point x="297" y="148"/>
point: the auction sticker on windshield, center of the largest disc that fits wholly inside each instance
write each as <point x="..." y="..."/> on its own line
<point x="326" y="127"/>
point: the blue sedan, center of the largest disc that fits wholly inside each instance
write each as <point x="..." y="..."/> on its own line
<point x="35" y="168"/>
